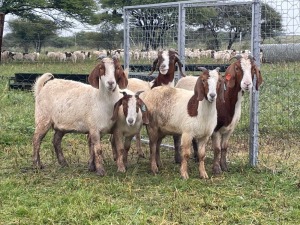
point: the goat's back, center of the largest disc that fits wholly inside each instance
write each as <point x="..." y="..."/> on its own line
<point x="167" y="107"/>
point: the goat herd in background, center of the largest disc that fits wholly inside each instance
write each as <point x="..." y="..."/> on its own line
<point x="222" y="56"/>
<point x="193" y="110"/>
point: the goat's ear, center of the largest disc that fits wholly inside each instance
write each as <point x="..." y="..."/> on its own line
<point x="116" y="109"/>
<point x="144" y="110"/>
<point x="259" y="78"/>
<point x="192" y="106"/>
<point x="123" y="81"/>
<point x="153" y="66"/>
<point x="199" y="90"/>
<point x="230" y="75"/>
<point x="221" y="90"/>
<point x="180" y="67"/>
<point x="94" y="77"/>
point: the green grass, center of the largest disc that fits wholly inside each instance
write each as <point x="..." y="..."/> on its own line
<point x="266" y="194"/>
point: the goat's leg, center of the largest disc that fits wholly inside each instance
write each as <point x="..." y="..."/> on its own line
<point x="140" y="152"/>
<point x="158" y="160"/>
<point x="91" y="162"/>
<point x="113" y="147"/>
<point x="39" y="133"/>
<point x="224" y="147"/>
<point x="216" y="145"/>
<point x="97" y="151"/>
<point x="195" y="148"/>
<point x="186" y="141"/>
<point x="153" y="137"/>
<point x="127" y="145"/>
<point x="118" y="141"/>
<point x="201" y="154"/>
<point x="57" y="137"/>
<point x="176" y="139"/>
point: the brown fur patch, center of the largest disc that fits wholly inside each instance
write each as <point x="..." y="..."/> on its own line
<point x="192" y="106"/>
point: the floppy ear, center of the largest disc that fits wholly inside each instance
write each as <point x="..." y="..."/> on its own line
<point x="153" y="66"/>
<point x="116" y="109"/>
<point x="143" y="108"/>
<point x="179" y="66"/>
<point x="120" y="74"/>
<point x="199" y="89"/>
<point x="230" y="75"/>
<point x="94" y="76"/>
<point x="259" y="78"/>
<point x="221" y="90"/>
<point x="122" y="81"/>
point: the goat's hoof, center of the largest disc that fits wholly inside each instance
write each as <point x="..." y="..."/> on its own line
<point x="121" y="169"/>
<point x="224" y="167"/>
<point x="203" y="175"/>
<point x="64" y="164"/>
<point x="38" y="166"/>
<point x="92" y="167"/>
<point x="100" y="172"/>
<point x="185" y="175"/>
<point x="154" y="170"/>
<point x="217" y="170"/>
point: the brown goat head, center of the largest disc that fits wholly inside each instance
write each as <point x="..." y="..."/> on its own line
<point x="235" y="74"/>
<point x="100" y="70"/>
<point x="166" y="62"/>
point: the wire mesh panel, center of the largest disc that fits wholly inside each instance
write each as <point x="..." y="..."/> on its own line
<point x="210" y="32"/>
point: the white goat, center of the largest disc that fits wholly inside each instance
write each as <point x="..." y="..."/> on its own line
<point x="192" y="114"/>
<point x="70" y="106"/>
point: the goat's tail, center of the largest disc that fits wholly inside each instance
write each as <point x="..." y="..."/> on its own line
<point x="40" y="82"/>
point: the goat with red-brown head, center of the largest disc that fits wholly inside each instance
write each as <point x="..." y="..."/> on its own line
<point x="115" y="77"/>
<point x="166" y="64"/>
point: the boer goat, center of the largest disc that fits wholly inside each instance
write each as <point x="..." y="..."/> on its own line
<point x="193" y="114"/>
<point x="166" y="64"/>
<point x="238" y="79"/>
<point x="130" y="113"/>
<point x="70" y="106"/>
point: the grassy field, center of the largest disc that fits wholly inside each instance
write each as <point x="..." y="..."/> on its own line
<point x="266" y="194"/>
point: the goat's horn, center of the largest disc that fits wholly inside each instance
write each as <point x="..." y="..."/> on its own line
<point x="251" y="57"/>
<point x="123" y="92"/>
<point x="102" y="56"/>
<point x="237" y="57"/>
<point x="201" y="68"/>
<point x="217" y="69"/>
<point x="115" y="57"/>
<point x="138" y="93"/>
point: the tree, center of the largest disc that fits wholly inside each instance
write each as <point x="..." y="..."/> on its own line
<point x="57" y="10"/>
<point x="32" y="33"/>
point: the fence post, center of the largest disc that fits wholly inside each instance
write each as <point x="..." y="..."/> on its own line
<point x="253" y="140"/>
<point x="2" y="17"/>
<point x="126" y="39"/>
<point x="181" y="35"/>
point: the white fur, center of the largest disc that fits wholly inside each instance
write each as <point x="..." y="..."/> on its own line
<point x="70" y="106"/>
<point x="168" y="112"/>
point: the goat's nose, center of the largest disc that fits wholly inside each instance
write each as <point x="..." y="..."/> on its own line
<point x="130" y="120"/>
<point x="162" y="66"/>
<point x="111" y="83"/>
<point x="247" y="83"/>
<point x="212" y="95"/>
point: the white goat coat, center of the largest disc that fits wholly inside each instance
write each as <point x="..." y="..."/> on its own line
<point x="168" y="108"/>
<point x="73" y="106"/>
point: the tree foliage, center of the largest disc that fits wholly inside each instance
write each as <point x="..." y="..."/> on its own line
<point x="28" y="33"/>
<point x="57" y="10"/>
